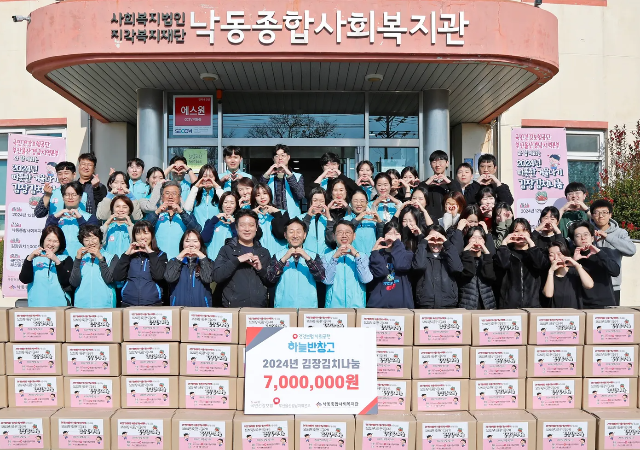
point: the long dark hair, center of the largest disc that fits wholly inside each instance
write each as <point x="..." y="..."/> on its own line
<point x="256" y="190"/>
<point x="203" y="247"/>
<point x="409" y="239"/>
<point x="144" y="225"/>
<point x="201" y="172"/>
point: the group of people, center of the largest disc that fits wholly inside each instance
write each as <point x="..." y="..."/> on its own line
<point x="385" y="240"/>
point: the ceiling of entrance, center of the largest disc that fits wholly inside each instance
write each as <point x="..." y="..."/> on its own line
<point x="478" y="90"/>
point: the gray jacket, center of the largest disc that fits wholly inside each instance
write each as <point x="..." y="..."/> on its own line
<point x="620" y="243"/>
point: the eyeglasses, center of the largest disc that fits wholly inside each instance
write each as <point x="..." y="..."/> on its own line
<point x="71" y="195"/>
<point x="171" y="194"/>
<point x="601" y="213"/>
<point x="88" y="165"/>
<point x="344" y="233"/>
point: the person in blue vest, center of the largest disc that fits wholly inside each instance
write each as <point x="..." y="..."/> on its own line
<point x="287" y="186"/>
<point x="181" y="173"/>
<point x="52" y="202"/>
<point x="330" y="163"/>
<point x="367" y="223"/>
<point x="190" y="274"/>
<point x="272" y="220"/>
<point x="118" y="227"/>
<point x="316" y="218"/>
<point x="364" y="172"/>
<point x="243" y="189"/>
<point x="384" y="203"/>
<point x="142" y="268"/>
<point x="71" y="217"/>
<point x="346" y="271"/>
<point x="221" y="227"/>
<point x="203" y="200"/>
<point x="118" y="184"/>
<point x="137" y="186"/>
<point x="170" y="220"/>
<point x="92" y="273"/>
<point x="294" y="271"/>
<point x="46" y="271"/>
<point x="155" y="179"/>
<point x="233" y="160"/>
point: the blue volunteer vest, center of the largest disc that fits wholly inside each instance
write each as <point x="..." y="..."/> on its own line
<point x="56" y="202"/>
<point x="169" y="231"/>
<point x="292" y="205"/>
<point x="206" y="210"/>
<point x="346" y="290"/>
<point x="70" y="228"/>
<point x="227" y="184"/>
<point x="365" y="235"/>
<point x="93" y="292"/>
<point x="268" y="240"/>
<point x="391" y="210"/>
<point x="117" y="239"/>
<point x="45" y="290"/>
<point x="296" y="287"/>
<point x="221" y="232"/>
<point x="185" y="188"/>
<point x="139" y="189"/>
<point x="315" y="241"/>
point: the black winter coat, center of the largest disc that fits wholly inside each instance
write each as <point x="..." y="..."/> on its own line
<point x="144" y="276"/>
<point x="475" y="282"/>
<point x="522" y="271"/>
<point x="436" y="286"/>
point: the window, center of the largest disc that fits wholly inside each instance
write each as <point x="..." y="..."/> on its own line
<point x="585" y="153"/>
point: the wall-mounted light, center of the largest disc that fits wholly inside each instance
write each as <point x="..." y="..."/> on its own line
<point x="209" y="77"/>
<point x="374" y="77"/>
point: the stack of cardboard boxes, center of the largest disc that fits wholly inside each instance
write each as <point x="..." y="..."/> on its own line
<point x="172" y="378"/>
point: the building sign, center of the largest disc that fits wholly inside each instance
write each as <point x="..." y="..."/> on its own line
<point x="540" y="170"/>
<point x="31" y="162"/>
<point x="298" y="26"/>
<point x="193" y="115"/>
<point x="311" y="371"/>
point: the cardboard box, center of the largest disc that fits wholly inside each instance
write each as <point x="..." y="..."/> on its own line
<point x="150" y="358"/>
<point x="327" y="318"/>
<point x="394" y="395"/>
<point x="241" y="365"/>
<point x="442" y="327"/>
<point x="554" y="393"/>
<point x="440" y="395"/>
<point x="497" y="394"/>
<point x="32" y="359"/>
<point x="149" y="392"/>
<point x="499" y="327"/>
<point x="151" y="323"/>
<point x="454" y="430"/>
<point x="610" y="361"/>
<point x="440" y="362"/>
<point x="14" y="421"/>
<point x="610" y="393"/>
<point x="240" y="394"/>
<point x="36" y="392"/>
<point x="141" y="428"/>
<point x="556" y="326"/>
<point x="612" y="326"/>
<point x="617" y="428"/>
<point x="563" y="361"/>
<point x="81" y="428"/>
<point x="393" y="326"/>
<point x="251" y="428"/>
<point x="94" y="326"/>
<point x="192" y="428"/>
<point x="4" y="324"/>
<point x="87" y="360"/>
<point x="392" y="431"/>
<point x="565" y="429"/>
<point x="208" y="393"/>
<point x="498" y="362"/>
<point x="92" y="392"/>
<point x="394" y="362"/>
<point x="37" y="324"/>
<point x="265" y="317"/>
<point x="210" y="325"/>
<point x="326" y="431"/>
<point x="4" y="401"/>
<point x="209" y="360"/>
<point x="505" y="429"/>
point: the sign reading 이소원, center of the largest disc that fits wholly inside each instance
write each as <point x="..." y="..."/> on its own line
<point x="540" y="170"/>
<point x="311" y="371"/>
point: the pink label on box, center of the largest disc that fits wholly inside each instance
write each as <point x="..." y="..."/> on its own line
<point x="21" y="433"/>
<point x="81" y="433"/>
<point x="390" y="362"/>
<point x="557" y="330"/>
<point x="440" y="329"/>
<point x="505" y="444"/>
<point x="148" y="399"/>
<point x="36" y="391"/>
<point x="34" y="359"/>
<point x="322" y="435"/>
<point x="613" y="328"/>
<point x="553" y="361"/>
<point x="147" y="392"/>
<point x="141" y="442"/>
<point x="91" y="326"/>
<point x="201" y="435"/>
<point x="36" y="399"/>
<point x="385" y="435"/>
<point x="34" y="367"/>
<point x="148" y="359"/>
<point x="505" y="436"/>
<point x="440" y="362"/>
<point x="613" y="360"/>
<point x="608" y="392"/>
<point x="392" y="395"/>
<point x="445" y="436"/>
<point x="438" y="395"/>
<point x="35" y="326"/>
<point x="90" y="441"/>
<point x="496" y="363"/>
<point x="500" y="330"/>
<point x="389" y="329"/>
<point x="94" y="393"/>
<point x="210" y="326"/>
<point x="207" y="394"/>
<point x="265" y="435"/>
<point x="564" y="435"/>
<point x="553" y="394"/>
<point x="141" y="434"/>
<point x="150" y="325"/>
<point x="88" y="359"/>
<point x="496" y="394"/>
<point x="622" y="434"/>
<point x="212" y="360"/>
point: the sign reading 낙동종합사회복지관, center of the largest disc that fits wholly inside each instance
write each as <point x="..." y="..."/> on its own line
<point x="540" y="170"/>
<point x="31" y="162"/>
<point x="172" y="26"/>
<point x="311" y="371"/>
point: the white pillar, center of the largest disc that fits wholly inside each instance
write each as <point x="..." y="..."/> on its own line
<point x="436" y="123"/>
<point x="151" y="127"/>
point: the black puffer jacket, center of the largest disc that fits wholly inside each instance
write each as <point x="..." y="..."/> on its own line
<point x="475" y="282"/>
<point x="436" y="286"/>
<point x="521" y="281"/>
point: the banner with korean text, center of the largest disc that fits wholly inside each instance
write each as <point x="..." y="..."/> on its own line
<point x="31" y="162"/>
<point x="311" y="371"/>
<point x="540" y="170"/>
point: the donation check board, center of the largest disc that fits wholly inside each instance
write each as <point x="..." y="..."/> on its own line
<point x="311" y="371"/>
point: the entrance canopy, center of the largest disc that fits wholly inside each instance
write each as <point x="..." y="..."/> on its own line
<point x="487" y="54"/>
